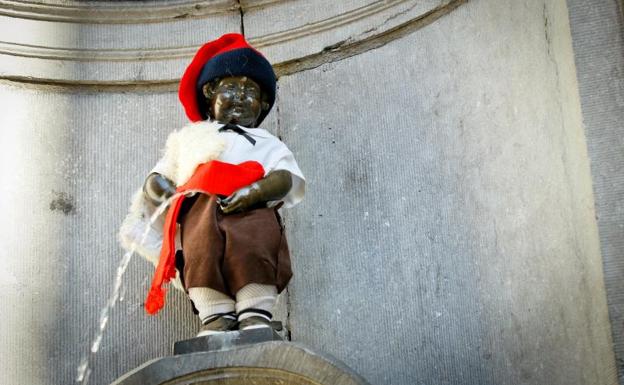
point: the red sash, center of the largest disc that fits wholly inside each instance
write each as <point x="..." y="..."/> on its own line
<point x="214" y="177"/>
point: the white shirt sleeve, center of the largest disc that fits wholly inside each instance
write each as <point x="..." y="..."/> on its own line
<point x="285" y="160"/>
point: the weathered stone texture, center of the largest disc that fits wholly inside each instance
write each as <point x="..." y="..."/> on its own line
<point x="448" y="234"/>
<point x="598" y="37"/>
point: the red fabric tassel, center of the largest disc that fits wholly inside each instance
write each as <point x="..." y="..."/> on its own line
<point x="214" y="177"/>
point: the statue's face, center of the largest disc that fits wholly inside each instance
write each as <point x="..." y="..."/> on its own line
<point x="236" y="99"/>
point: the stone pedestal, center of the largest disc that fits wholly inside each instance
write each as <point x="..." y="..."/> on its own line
<point x="250" y="357"/>
<point x="225" y="341"/>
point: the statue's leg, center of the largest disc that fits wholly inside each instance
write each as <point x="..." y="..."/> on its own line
<point x="252" y="244"/>
<point x="251" y="263"/>
<point x="208" y="302"/>
<point x="216" y="310"/>
<point x="254" y="305"/>
<point x="202" y="245"/>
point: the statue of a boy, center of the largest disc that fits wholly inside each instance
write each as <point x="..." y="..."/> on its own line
<point x="232" y="178"/>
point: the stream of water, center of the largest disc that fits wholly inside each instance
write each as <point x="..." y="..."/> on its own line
<point x="84" y="368"/>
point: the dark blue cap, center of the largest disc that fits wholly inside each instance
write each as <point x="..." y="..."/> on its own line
<point x="238" y="62"/>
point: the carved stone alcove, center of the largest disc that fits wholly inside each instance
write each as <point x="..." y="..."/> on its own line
<point x="117" y="44"/>
<point x="448" y="234"/>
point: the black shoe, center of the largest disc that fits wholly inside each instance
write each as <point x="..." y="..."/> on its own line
<point x="254" y="322"/>
<point x="217" y="324"/>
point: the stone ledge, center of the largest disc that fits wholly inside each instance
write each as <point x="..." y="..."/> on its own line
<point x="259" y="363"/>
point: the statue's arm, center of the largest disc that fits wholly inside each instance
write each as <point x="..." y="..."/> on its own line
<point x="158" y="188"/>
<point x="272" y="187"/>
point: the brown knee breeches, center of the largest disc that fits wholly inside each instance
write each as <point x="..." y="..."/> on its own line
<point x="227" y="252"/>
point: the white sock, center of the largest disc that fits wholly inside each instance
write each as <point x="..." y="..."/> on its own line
<point x="256" y="296"/>
<point x="209" y="302"/>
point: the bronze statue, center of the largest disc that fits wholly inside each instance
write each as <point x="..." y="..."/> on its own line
<point x="224" y="180"/>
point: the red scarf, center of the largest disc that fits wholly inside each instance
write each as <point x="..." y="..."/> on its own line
<point x="214" y="177"/>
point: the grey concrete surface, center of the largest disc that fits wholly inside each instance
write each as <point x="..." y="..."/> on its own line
<point x="597" y="34"/>
<point x="76" y="158"/>
<point x="448" y="234"/>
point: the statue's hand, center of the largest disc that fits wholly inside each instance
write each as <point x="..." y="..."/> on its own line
<point x="272" y="187"/>
<point x="158" y="188"/>
<point x="241" y="199"/>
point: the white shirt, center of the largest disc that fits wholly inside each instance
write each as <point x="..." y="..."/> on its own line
<point x="268" y="150"/>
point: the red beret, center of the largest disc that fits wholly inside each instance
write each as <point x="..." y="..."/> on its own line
<point x="229" y="55"/>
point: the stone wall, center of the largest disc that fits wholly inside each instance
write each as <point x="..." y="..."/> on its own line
<point x="598" y="37"/>
<point x="448" y="234"/>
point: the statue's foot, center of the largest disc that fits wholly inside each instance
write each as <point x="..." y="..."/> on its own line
<point x="219" y="323"/>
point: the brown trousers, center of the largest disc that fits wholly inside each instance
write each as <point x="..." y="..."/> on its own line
<point x="227" y="252"/>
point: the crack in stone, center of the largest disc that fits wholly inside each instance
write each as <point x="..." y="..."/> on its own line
<point x="550" y="56"/>
<point x="383" y="23"/>
<point x="549" y="52"/>
<point x="288" y="325"/>
<point x="241" y="11"/>
<point x="278" y="133"/>
<point x="399" y="14"/>
<point x="546" y="29"/>
<point x="278" y="117"/>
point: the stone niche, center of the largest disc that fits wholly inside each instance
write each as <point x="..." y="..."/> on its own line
<point x="448" y="233"/>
